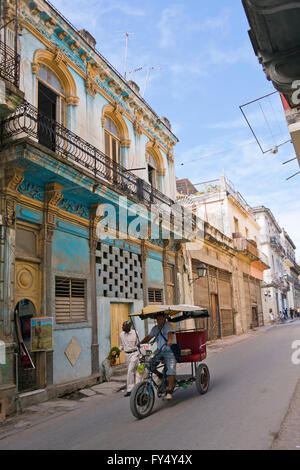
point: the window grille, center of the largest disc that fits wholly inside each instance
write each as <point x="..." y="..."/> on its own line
<point x="155" y="296"/>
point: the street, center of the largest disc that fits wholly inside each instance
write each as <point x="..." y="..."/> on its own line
<point x="252" y="384"/>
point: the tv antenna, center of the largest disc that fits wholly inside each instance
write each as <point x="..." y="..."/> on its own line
<point x="127" y="33"/>
<point x="149" y="69"/>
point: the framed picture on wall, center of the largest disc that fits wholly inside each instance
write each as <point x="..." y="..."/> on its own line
<point x="41" y="334"/>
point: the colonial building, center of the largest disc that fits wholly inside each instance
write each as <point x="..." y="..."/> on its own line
<point x="291" y="270"/>
<point x="77" y="141"/>
<point x="232" y="289"/>
<point x="275" y="285"/>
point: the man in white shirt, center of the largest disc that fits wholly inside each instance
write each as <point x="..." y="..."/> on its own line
<point x="128" y="343"/>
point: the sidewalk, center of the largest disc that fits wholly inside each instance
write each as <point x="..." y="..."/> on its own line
<point x="42" y="412"/>
<point x="289" y="435"/>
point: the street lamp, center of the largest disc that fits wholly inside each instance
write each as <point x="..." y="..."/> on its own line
<point x="201" y="272"/>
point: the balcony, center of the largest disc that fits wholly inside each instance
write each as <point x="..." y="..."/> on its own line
<point x="248" y="247"/>
<point x="9" y="64"/>
<point x="276" y="245"/>
<point x="28" y="122"/>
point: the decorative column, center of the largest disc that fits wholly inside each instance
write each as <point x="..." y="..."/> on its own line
<point x="125" y="145"/>
<point x="161" y="180"/>
<point x="13" y="177"/>
<point x="165" y="264"/>
<point x="52" y="198"/>
<point x="94" y="221"/>
<point x="144" y="253"/>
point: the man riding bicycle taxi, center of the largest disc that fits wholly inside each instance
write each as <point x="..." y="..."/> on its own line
<point x="165" y="336"/>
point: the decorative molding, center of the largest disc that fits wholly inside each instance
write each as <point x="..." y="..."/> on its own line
<point x="113" y="112"/>
<point x="170" y="153"/>
<point x="53" y="195"/>
<point x="137" y="127"/>
<point x="35" y="68"/>
<point x="58" y="55"/>
<point x="10" y="212"/>
<point x="75" y="208"/>
<point x="125" y="143"/>
<point x="13" y="178"/>
<point x="55" y="60"/>
<point x="153" y="148"/>
<point x="62" y="35"/>
<point x="32" y="190"/>
<point x="91" y="86"/>
<point x="72" y="100"/>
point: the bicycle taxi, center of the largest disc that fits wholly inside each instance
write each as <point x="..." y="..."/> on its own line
<point x="193" y="350"/>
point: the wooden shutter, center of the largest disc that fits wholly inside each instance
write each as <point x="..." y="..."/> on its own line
<point x="70" y="300"/>
<point x="155" y="296"/>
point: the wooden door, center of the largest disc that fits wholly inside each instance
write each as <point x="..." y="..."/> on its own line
<point x="214" y="318"/>
<point x="170" y="281"/>
<point x="28" y="284"/>
<point x="225" y="298"/>
<point x="47" y="100"/>
<point x="254" y="317"/>
<point x="118" y="314"/>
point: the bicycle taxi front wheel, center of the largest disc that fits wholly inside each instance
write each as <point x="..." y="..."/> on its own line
<point x="142" y="400"/>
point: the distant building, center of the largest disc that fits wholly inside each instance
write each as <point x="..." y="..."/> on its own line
<point x="228" y="216"/>
<point x="184" y="186"/>
<point x="275" y="285"/>
<point x="292" y="271"/>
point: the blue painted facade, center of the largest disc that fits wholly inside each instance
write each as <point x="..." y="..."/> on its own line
<point x="54" y="194"/>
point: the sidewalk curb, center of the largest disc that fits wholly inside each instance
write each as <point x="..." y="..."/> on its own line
<point x="288" y="437"/>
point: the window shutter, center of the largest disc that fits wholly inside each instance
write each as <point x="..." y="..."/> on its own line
<point x="70" y="300"/>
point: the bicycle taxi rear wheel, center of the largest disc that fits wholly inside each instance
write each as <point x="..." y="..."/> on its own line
<point x="202" y="379"/>
<point x="142" y="400"/>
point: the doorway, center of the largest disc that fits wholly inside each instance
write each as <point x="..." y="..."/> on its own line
<point x="24" y="311"/>
<point x="47" y="103"/>
<point x="214" y="318"/>
<point x="119" y="312"/>
<point x="254" y="317"/>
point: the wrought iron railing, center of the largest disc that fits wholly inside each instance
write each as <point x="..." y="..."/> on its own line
<point x="9" y="64"/>
<point x="28" y="121"/>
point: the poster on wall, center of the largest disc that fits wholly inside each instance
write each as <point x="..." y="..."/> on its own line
<point x="41" y="334"/>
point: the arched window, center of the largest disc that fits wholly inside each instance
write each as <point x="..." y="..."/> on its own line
<point x="152" y="168"/>
<point x="112" y="141"/>
<point x="51" y="90"/>
<point x="51" y="106"/>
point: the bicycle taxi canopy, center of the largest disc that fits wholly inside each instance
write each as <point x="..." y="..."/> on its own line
<point x="172" y="311"/>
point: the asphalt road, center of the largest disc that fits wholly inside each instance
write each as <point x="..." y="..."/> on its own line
<point x="252" y="384"/>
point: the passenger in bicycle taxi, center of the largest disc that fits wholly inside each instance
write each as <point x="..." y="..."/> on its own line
<point x="165" y="336"/>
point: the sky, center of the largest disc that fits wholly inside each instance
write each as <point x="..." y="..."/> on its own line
<point x="204" y="69"/>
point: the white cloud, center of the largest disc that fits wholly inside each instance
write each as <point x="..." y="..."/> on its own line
<point x="221" y="56"/>
<point x="289" y="220"/>
<point x="169" y="25"/>
<point x="175" y="24"/>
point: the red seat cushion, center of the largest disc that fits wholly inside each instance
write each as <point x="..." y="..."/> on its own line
<point x="192" y="358"/>
<point x="192" y="340"/>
